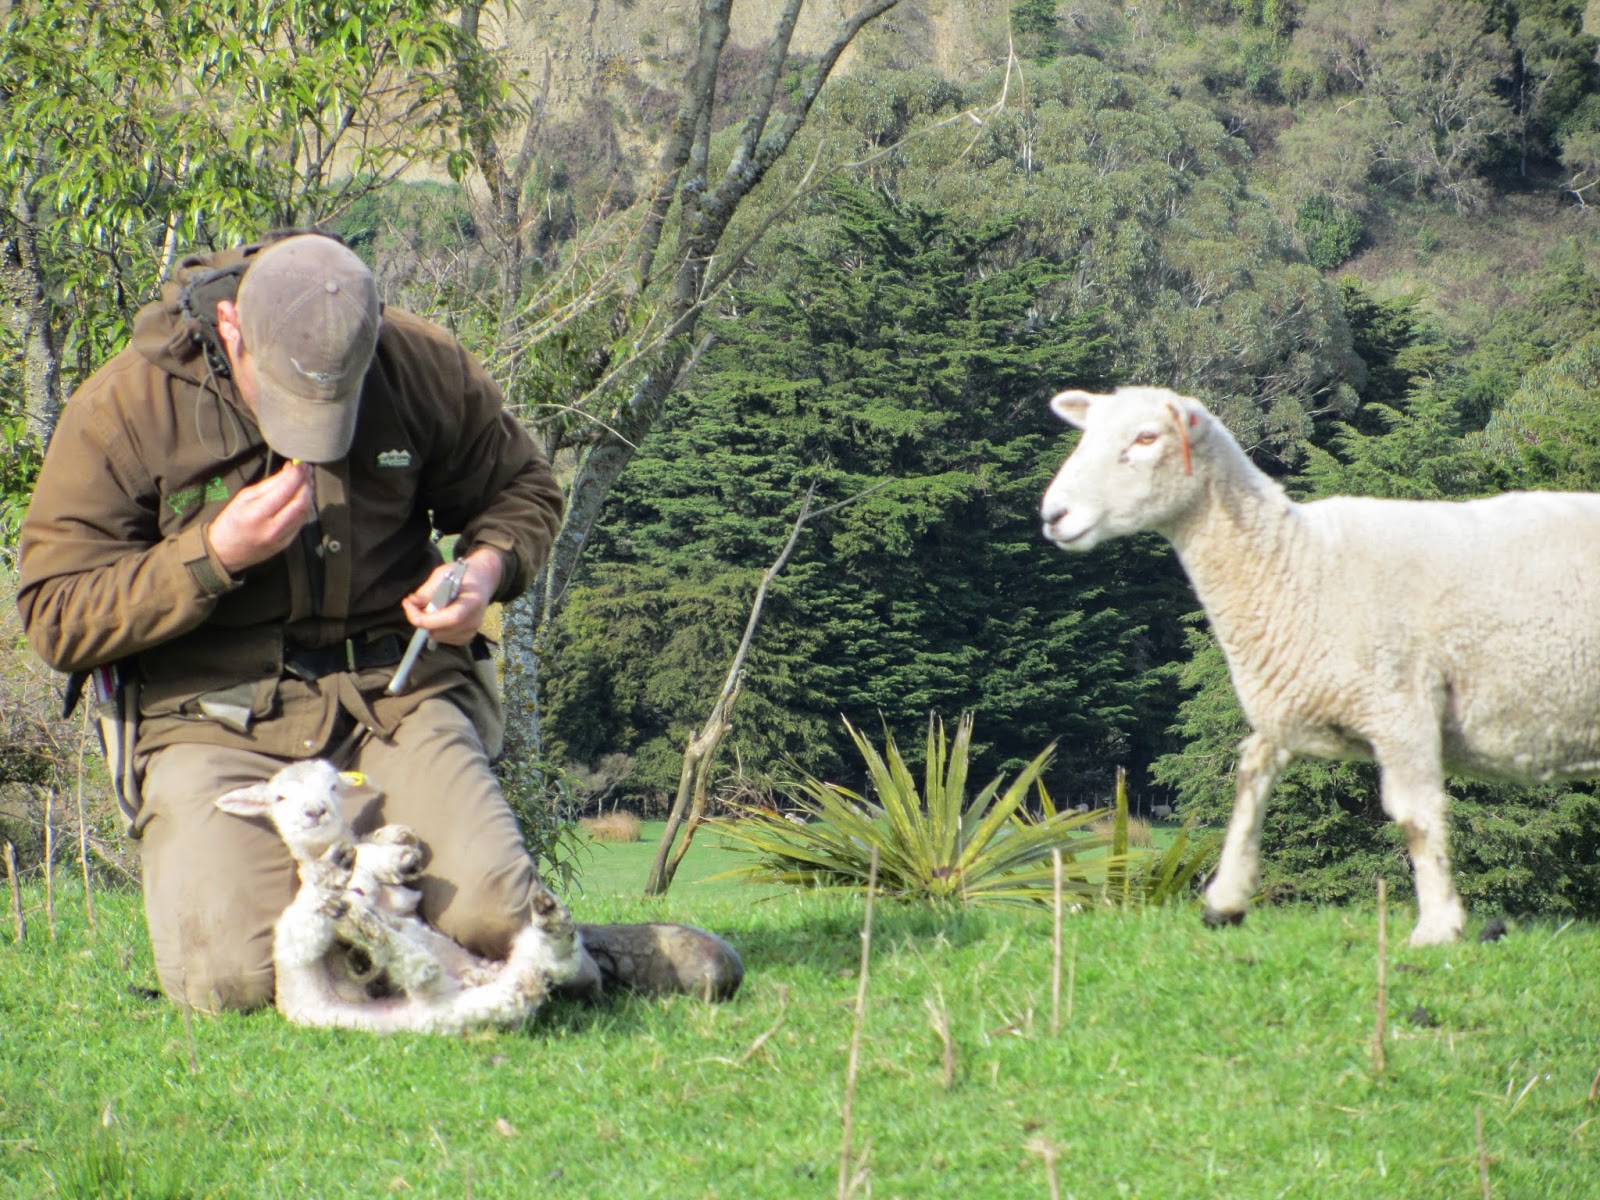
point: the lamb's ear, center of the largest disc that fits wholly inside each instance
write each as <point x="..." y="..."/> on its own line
<point x="253" y="800"/>
<point x="1073" y="407"/>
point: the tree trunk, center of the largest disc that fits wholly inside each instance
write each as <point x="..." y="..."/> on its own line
<point x="689" y="806"/>
<point x="704" y="212"/>
<point x="27" y="311"/>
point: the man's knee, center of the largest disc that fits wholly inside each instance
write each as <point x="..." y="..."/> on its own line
<point x="484" y="912"/>
<point x="230" y="972"/>
<point x="210" y="989"/>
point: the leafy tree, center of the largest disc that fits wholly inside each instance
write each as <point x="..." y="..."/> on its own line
<point x="1425" y="75"/>
<point x="1552" y="71"/>
<point x="660" y="277"/>
<point x="1560" y="308"/>
<point x="896" y="351"/>
<point x="129" y="132"/>
<point x="1144" y="200"/>
<point x="1034" y="22"/>
<point x="1547" y="435"/>
<point x="1331" y="232"/>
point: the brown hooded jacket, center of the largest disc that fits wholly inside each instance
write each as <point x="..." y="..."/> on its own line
<point x="115" y="565"/>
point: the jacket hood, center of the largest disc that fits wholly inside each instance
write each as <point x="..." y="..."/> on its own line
<point x="173" y="331"/>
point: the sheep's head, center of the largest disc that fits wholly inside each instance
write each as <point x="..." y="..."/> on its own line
<point x="1133" y="469"/>
<point x="304" y="801"/>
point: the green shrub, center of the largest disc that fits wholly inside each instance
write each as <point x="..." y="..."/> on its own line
<point x="1330" y="231"/>
<point x="545" y="799"/>
<point x="938" y="845"/>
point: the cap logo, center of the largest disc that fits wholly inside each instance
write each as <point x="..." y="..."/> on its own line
<point x="321" y="378"/>
<point x="394" y="458"/>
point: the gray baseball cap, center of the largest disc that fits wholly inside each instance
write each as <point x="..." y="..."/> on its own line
<point x="309" y="316"/>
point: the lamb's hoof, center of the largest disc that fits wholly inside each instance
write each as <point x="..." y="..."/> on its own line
<point x="661" y="959"/>
<point x="585" y="983"/>
<point x="342" y="856"/>
<point x="550" y="914"/>
<point x="411" y="855"/>
<point x="1215" y="919"/>
<point x="334" y="906"/>
<point x="395" y="835"/>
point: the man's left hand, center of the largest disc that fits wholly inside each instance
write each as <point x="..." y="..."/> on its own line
<point x="458" y="621"/>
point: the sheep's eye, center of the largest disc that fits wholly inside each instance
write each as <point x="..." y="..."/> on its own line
<point x="1147" y="438"/>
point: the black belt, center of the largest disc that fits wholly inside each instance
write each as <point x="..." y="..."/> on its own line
<point x="312" y="663"/>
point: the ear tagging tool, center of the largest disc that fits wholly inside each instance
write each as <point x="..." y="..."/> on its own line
<point x="443" y="596"/>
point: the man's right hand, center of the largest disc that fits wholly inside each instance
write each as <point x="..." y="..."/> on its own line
<point x="262" y="519"/>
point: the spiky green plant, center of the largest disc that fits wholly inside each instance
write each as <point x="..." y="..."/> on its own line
<point x="936" y="844"/>
<point x="1148" y="877"/>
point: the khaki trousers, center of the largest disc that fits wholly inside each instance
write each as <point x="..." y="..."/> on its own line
<point x="214" y="883"/>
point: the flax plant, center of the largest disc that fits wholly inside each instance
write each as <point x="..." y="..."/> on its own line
<point x="936" y="844"/>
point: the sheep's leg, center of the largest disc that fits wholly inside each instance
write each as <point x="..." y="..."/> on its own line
<point x="1239" y="867"/>
<point x="552" y="939"/>
<point x="304" y="937"/>
<point x="395" y="945"/>
<point x="393" y="854"/>
<point x="1414" y="797"/>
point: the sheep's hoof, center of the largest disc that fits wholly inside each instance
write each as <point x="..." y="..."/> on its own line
<point x="1216" y="920"/>
<point x="549" y="908"/>
<point x="395" y="835"/>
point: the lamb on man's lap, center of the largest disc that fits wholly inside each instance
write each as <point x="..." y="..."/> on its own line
<point x="1429" y="637"/>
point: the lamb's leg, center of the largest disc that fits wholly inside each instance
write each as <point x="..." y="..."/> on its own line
<point x="553" y="942"/>
<point x="303" y="939"/>
<point x="1414" y="797"/>
<point x="1239" y="867"/>
<point x="509" y="993"/>
<point x="399" y="946"/>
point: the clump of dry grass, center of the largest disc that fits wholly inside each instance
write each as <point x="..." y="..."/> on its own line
<point x="612" y="827"/>
<point x="1138" y="830"/>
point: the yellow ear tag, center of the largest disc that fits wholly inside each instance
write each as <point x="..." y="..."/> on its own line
<point x="353" y="778"/>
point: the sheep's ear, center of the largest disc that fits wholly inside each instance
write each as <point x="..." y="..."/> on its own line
<point x="1073" y="407"/>
<point x="254" y="800"/>
<point x="1194" y="416"/>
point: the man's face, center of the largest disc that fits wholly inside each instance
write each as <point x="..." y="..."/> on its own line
<point x="244" y="378"/>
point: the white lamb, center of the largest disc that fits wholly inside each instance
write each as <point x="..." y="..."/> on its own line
<point x="1429" y="637"/>
<point x="354" y="891"/>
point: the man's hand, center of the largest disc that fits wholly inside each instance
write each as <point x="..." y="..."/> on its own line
<point x="262" y="519"/>
<point x="456" y="623"/>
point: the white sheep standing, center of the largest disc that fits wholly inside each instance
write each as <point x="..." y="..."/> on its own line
<point x="1427" y="636"/>
<point x="355" y="891"/>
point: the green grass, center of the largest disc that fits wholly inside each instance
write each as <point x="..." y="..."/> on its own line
<point x="1197" y="1063"/>
<point x="620" y="868"/>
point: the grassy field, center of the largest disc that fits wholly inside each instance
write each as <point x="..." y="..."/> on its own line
<point x="613" y="869"/>
<point x="1188" y="1063"/>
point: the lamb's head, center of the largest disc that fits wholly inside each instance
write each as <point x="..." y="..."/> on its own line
<point x="1133" y="468"/>
<point x="304" y="801"/>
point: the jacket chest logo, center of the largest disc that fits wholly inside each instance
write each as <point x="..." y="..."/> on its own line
<point x="394" y="458"/>
<point x="193" y="497"/>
